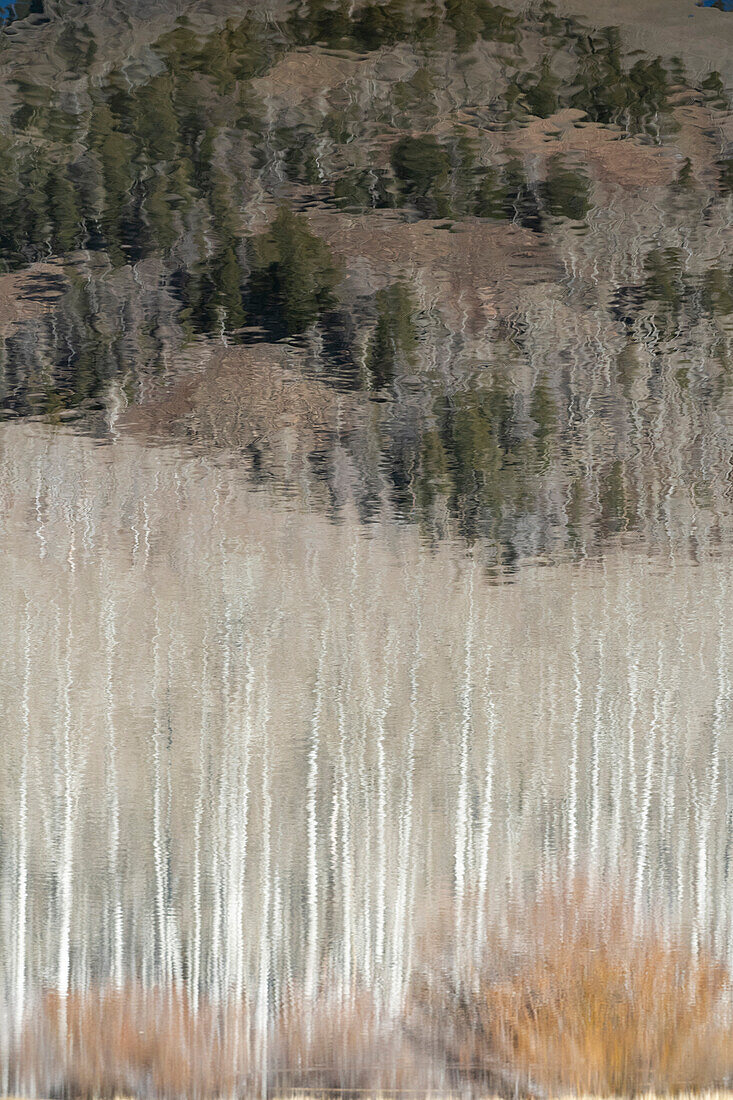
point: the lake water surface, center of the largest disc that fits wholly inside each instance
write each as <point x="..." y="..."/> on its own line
<point x="365" y="516"/>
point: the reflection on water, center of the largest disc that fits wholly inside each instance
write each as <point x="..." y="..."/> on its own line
<point x="22" y="9"/>
<point x="514" y="277"/>
<point x="365" y="512"/>
<point x="256" y="754"/>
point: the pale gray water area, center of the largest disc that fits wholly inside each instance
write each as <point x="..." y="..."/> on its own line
<point x="256" y="752"/>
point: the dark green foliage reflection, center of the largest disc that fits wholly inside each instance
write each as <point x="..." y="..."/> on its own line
<point x="188" y="201"/>
<point x="293" y="276"/>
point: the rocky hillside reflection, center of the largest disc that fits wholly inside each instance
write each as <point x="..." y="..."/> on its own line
<point x="464" y="269"/>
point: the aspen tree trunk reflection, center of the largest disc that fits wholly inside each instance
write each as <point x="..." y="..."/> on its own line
<point x="255" y="758"/>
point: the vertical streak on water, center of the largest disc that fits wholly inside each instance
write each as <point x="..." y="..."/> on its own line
<point x="707" y="797"/>
<point x="402" y="923"/>
<point x="215" y="981"/>
<point x="380" y="713"/>
<point x="161" y="955"/>
<point x="279" y="952"/>
<point x="643" y="808"/>
<point x="365" y="922"/>
<point x="262" y="1011"/>
<point x="244" y="810"/>
<point x="549" y="678"/>
<point x="146" y="528"/>
<point x="459" y="859"/>
<point x="22" y="868"/>
<point x="229" y="779"/>
<point x="633" y="698"/>
<point x="174" y="929"/>
<point x="213" y="968"/>
<point x="662" y="885"/>
<point x="379" y="710"/>
<point x="596" y="729"/>
<point x="334" y="870"/>
<point x="346" y="857"/>
<point x="113" y="802"/>
<point x="234" y="780"/>
<point x="575" y="733"/>
<point x="195" y="982"/>
<point x="722" y="789"/>
<point x="67" y="833"/>
<point x="666" y="784"/>
<point x="174" y="964"/>
<point x="311" y="971"/>
<point x="39" y="512"/>
<point x="486" y="805"/>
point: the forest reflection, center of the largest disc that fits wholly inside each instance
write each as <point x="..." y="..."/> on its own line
<point x="287" y="803"/>
<point x="365" y="513"/>
<point x="194" y="204"/>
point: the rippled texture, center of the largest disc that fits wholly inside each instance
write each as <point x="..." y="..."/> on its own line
<point x="265" y="747"/>
<point x="536" y="369"/>
<point x="365" y="515"/>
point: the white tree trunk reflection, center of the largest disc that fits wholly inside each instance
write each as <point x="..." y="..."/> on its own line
<point x="250" y="754"/>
